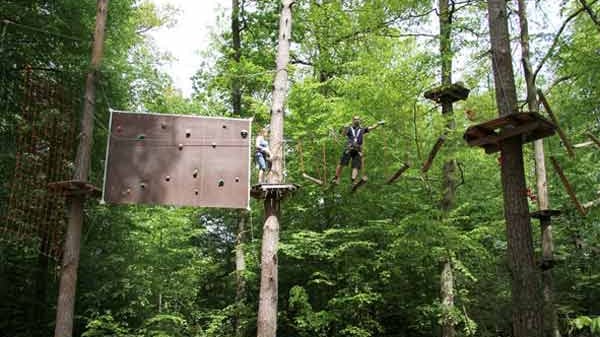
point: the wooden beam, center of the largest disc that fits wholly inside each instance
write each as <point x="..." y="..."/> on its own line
<point x="436" y="148"/>
<point x="567" y="185"/>
<point x="560" y="131"/>
<point x="591" y="204"/>
<point x="594" y="138"/>
<point x="584" y="144"/>
<point x="313" y="179"/>
<point x="398" y="173"/>
<point x="360" y="183"/>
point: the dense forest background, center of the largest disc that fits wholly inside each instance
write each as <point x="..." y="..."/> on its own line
<point x="362" y="264"/>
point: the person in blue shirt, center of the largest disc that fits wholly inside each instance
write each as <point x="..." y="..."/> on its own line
<point x="263" y="154"/>
<point x="353" y="149"/>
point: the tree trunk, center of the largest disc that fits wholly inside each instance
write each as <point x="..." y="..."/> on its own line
<point x="525" y="278"/>
<point x="236" y="91"/>
<point x="236" y="102"/>
<point x="267" y="306"/>
<point x="240" y="268"/>
<point x="68" y="278"/>
<point x="449" y="170"/>
<point x="550" y="317"/>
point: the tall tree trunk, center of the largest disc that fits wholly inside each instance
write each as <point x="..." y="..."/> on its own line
<point x="267" y="306"/>
<point x="550" y="317"/>
<point x="525" y="279"/>
<point x="236" y="91"/>
<point x="68" y="278"/>
<point x="240" y="267"/>
<point x="449" y="170"/>
<point x="236" y="102"/>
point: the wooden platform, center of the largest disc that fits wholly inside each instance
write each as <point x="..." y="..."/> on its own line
<point x="279" y="191"/>
<point x="529" y="126"/>
<point x="545" y="214"/>
<point x="448" y="93"/>
<point x="75" y="187"/>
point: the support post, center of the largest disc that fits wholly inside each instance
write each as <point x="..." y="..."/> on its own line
<point x="550" y="319"/>
<point x="526" y="289"/>
<point x="267" y="305"/>
<point x="65" y="307"/>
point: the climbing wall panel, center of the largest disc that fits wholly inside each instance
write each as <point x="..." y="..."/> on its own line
<point x="178" y="160"/>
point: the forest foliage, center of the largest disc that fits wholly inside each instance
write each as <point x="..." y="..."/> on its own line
<point x="350" y="264"/>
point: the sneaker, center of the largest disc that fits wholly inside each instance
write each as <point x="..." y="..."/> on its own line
<point x="335" y="181"/>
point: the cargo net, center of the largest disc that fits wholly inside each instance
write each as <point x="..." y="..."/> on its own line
<point x="45" y="134"/>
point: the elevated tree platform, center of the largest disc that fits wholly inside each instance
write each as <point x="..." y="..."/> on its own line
<point x="75" y="187"/>
<point x="448" y="93"/>
<point x="278" y="191"/>
<point x="529" y="126"/>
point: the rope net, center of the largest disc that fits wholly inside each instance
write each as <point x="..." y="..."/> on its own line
<point x="45" y="134"/>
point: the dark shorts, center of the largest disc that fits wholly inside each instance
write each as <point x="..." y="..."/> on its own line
<point x="262" y="162"/>
<point x="351" y="155"/>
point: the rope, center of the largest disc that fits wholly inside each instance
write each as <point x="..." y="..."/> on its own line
<point x="40" y="30"/>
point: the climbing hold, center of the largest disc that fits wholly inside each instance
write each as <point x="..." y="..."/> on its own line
<point x="195" y="174"/>
<point x="168" y="178"/>
<point x="214" y="145"/>
<point x="180" y="147"/>
<point x="188" y="133"/>
<point x="141" y="136"/>
<point x="221" y="182"/>
<point x="244" y="134"/>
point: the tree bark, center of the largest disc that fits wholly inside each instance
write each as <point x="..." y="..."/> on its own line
<point x="236" y="102"/>
<point x="240" y="268"/>
<point x="550" y="318"/>
<point x="68" y="278"/>
<point x="449" y="170"/>
<point x="267" y="306"/>
<point x="236" y="91"/>
<point x="525" y="278"/>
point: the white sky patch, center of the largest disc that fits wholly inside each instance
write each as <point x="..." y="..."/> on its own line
<point x="189" y="36"/>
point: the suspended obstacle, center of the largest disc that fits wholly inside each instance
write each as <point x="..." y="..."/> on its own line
<point x="567" y="185"/>
<point x="448" y="93"/>
<point x="398" y="173"/>
<point x="489" y="135"/>
<point x="359" y="183"/>
<point x="312" y="179"/>
<point x="433" y="153"/>
<point x="561" y="133"/>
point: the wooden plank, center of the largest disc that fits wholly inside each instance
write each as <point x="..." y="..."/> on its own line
<point x="594" y="138"/>
<point x="398" y="173"/>
<point x="312" y="179"/>
<point x="560" y="131"/>
<point x="360" y="183"/>
<point x="584" y="144"/>
<point x="567" y="186"/>
<point x="436" y="148"/>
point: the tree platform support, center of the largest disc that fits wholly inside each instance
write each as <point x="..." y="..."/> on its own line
<point x="561" y="133"/>
<point x="448" y="93"/>
<point x="529" y="126"/>
<point x="75" y="187"/>
<point x="545" y="214"/>
<point x="398" y="173"/>
<point x="277" y="191"/>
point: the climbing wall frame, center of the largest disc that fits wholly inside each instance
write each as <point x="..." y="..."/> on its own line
<point x="178" y="160"/>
